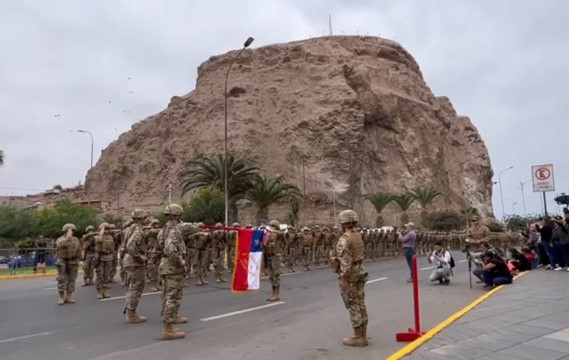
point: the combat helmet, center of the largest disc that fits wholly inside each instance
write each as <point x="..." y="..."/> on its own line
<point x="173" y="209"/>
<point x="275" y="224"/>
<point x="154" y="222"/>
<point x="68" y="226"/>
<point x="235" y="224"/>
<point x="218" y="224"/>
<point x="138" y="214"/>
<point x="89" y="228"/>
<point x="347" y="216"/>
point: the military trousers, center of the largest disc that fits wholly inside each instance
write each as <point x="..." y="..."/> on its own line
<point x="356" y="302"/>
<point x="307" y="255"/>
<point x="319" y="254"/>
<point x="231" y="258"/>
<point x="274" y="266"/>
<point x="136" y="278"/>
<point x="152" y="269"/>
<point x="89" y="267"/>
<point x="172" y="292"/>
<point x="218" y="259"/>
<point x="66" y="275"/>
<point x="103" y="273"/>
<point x="114" y="267"/>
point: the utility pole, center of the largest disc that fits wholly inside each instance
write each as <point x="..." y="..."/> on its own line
<point x="303" y="193"/>
<point x="330" y="23"/>
<point x="169" y="193"/>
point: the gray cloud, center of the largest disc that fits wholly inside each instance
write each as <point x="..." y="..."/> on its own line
<point x="502" y="63"/>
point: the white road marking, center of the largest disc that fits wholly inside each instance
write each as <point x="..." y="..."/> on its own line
<point x="123" y="297"/>
<point x="243" y="311"/>
<point x="45" y="333"/>
<point x="463" y="260"/>
<point x="375" y="280"/>
<point x="428" y="268"/>
<point x="51" y="288"/>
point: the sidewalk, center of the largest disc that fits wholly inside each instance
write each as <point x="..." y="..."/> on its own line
<point x="526" y="320"/>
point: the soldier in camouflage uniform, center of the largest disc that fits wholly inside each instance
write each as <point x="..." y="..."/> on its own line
<point x="348" y="262"/>
<point x="291" y="244"/>
<point x="88" y="245"/>
<point x="366" y="238"/>
<point x="134" y="263"/>
<point x="119" y="238"/>
<point x="68" y="255"/>
<point x="173" y="266"/>
<point x="306" y="243"/>
<point x="154" y="253"/>
<point x="104" y="248"/>
<point x="273" y="246"/>
<point x="318" y="248"/>
<point x="231" y="243"/>
<point x="327" y="246"/>
<point x="219" y="244"/>
<point x="201" y="241"/>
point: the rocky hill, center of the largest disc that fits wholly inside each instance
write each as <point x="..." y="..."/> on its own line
<point x="355" y="110"/>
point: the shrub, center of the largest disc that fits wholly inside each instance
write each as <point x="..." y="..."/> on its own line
<point x="443" y="221"/>
<point x="495" y="227"/>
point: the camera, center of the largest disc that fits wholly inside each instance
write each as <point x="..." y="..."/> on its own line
<point x="562" y="200"/>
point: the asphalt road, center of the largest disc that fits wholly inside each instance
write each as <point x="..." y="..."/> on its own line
<point x="308" y="323"/>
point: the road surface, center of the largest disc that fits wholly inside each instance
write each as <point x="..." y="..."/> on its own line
<point x="308" y="323"/>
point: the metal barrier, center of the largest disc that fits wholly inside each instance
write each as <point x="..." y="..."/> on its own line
<point x="26" y="260"/>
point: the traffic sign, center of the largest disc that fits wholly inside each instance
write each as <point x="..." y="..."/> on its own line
<point x="542" y="176"/>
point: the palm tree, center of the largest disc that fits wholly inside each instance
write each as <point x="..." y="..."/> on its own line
<point x="211" y="172"/>
<point x="267" y="191"/>
<point x="1" y="157"/>
<point x="424" y="197"/>
<point x="379" y="200"/>
<point x="404" y="201"/>
<point x="469" y="213"/>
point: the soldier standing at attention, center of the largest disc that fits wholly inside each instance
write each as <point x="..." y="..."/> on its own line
<point x="306" y="241"/>
<point x="291" y="245"/>
<point x="274" y="243"/>
<point x="348" y="264"/>
<point x="173" y="266"/>
<point x="151" y="236"/>
<point x="219" y="244"/>
<point x="104" y="249"/>
<point x="134" y="263"/>
<point x="68" y="255"/>
<point x="232" y="242"/>
<point x="88" y="245"/>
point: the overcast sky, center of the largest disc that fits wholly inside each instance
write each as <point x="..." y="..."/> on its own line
<point x="103" y="65"/>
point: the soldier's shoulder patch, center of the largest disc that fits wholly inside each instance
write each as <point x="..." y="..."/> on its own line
<point x="342" y="243"/>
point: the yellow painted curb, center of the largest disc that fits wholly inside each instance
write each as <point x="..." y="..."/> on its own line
<point x="30" y="276"/>
<point x="437" y="329"/>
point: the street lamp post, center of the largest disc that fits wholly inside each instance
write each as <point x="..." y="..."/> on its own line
<point x="248" y="42"/>
<point x="501" y="193"/>
<point x="522" y="183"/>
<point x="92" y="143"/>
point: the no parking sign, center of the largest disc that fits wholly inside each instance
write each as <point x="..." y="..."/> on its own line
<point x="542" y="176"/>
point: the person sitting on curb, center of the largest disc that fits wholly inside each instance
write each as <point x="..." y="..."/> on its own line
<point x="495" y="271"/>
<point x="442" y="259"/>
<point x="519" y="260"/>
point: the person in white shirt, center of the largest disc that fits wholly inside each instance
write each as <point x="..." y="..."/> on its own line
<point x="441" y="258"/>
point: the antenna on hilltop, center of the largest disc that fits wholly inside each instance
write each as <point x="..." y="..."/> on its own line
<point x="330" y="23"/>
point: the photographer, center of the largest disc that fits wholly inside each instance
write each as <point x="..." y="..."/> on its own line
<point x="478" y="259"/>
<point x="442" y="259"/>
<point x="495" y="271"/>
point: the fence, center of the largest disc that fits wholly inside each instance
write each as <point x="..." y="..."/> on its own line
<point x="26" y="260"/>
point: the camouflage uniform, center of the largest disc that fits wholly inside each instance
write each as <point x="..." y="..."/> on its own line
<point x="291" y="247"/>
<point x="231" y="243"/>
<point x="348" y="264"/>
<point x="318" y="246"/>
<point x="172" y="269"/>
<point x="88" y="245"/>
<point x="68" y="255"/>
<point x="201" y="239"/>
<point x="219" y="245"/>
<point x="119" y="239"/>
<point x="105" y="248"/>
<point x="274" y="244"/>
<point x="154" y="254"/>
<point x="134" y="264"/>
<point x="306" y="243"/>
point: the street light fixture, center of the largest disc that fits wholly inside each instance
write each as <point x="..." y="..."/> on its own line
<point x="501" y="193"/>
<point x="248" y="42"/>
<point x="92" y="143"/>
<point x="522" y="183"/>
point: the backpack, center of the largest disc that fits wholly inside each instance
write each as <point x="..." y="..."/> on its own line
<point x="451" y="263"/>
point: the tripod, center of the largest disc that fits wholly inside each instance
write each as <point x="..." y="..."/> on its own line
<point x="468" y="257"/>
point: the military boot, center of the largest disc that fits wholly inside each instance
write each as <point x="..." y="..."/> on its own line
<point x="105" y="294"/>
<point x="218" y="278"/>
<point x="133" y="318"/>
<point x="61" y="299"/>
<point x="170" y="333"/>
<point x="201" y="281"/>
<point x="221" y="279"/>
<point x="69" y="299"/>
<point x="364" y="333"/>
<point x="100" y="294"/>
<point x="291" y="269"/>
<point x="85" y="282"/>
<point x="180" y="320"/>
<point x="90" y="283"/>
<point x="356" y="340"/>
<point x="275" y="295"/>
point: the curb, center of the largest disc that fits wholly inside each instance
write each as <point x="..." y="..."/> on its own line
<point x="30" y="276"/>
<point x="408" y="349"/>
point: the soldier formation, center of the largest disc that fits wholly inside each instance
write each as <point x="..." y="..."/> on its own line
<point x="165" y="257"/>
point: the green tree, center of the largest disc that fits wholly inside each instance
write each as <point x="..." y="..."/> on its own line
<point x="1" y="157"/>
<point x="379" y="201"/>
<point x="266" y="191"/>
<point x="495" y="227"/>
<point x="425" y="196"/>
<point x="52" y="219"/>
<point x="404" y="201"/>
<point x="211" y="172"/>
<point x="17" y="224"/>
<point x="208" y="206"/>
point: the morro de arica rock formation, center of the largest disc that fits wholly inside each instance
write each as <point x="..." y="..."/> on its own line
<point x="355" y="112"/>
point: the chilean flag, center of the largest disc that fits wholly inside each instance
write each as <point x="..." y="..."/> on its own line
<point x="248" y="257"/>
